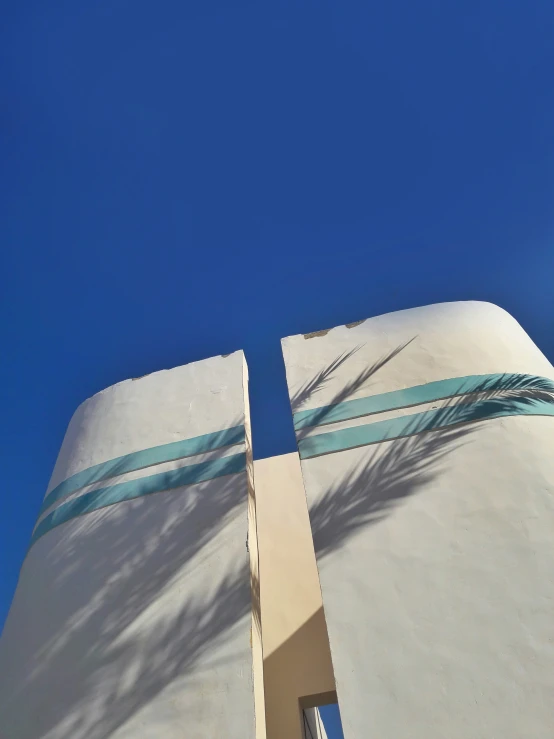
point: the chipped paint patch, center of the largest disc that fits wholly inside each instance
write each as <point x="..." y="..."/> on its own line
<point x="317" y="333"/>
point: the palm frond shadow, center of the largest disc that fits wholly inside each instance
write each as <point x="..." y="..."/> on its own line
<point x="399" y="468"/>
<point x="320" y="380"/>
<point x="108" y="571"/>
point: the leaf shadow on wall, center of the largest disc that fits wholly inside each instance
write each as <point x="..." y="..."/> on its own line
<point x="399" y="468"/>
<point x="322" y="378"/>
<point x="129" y="605"/>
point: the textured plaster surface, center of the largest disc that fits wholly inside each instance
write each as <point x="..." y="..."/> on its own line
<point x="297" y="660"/>
<point x="435" y="553"/>
<point x="134" y="621"/>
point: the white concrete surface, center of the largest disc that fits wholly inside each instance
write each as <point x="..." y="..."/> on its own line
<point x="134" y="621"/>
<point x="436" y="552"/>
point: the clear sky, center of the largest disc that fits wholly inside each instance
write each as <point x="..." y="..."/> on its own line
<point x="185" y="178"/>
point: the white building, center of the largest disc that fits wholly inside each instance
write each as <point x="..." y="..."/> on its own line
<point x="174" y="588"/>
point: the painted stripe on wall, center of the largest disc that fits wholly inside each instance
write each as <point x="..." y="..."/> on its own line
<point x="145" y="458"/>
<point x="397" y="428"/>
<point x="439" y="390"/>
<point x="163" y="481"/>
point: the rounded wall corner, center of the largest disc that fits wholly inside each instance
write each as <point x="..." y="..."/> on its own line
<point x="490" y="309"/>
<point x="481" y="314"/>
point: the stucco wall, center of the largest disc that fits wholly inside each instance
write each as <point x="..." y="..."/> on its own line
<point x="134" y="620"/>
<point x="297" y="661"/>
<point x="435" y="550"/>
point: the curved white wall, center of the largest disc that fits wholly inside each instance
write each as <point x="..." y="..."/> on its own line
<point x="436" y="551"/>
<point x="134" y="620"/>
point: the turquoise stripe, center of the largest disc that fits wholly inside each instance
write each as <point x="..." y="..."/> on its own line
<point x="145" y="458"/>
<point x="427" y="393"/>
<point x="397" y="428"/>
<point x="120" y="492"/>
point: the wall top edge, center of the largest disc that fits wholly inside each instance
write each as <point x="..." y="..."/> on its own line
<point x="156" y="374"/>
<point x="443" y="309"/>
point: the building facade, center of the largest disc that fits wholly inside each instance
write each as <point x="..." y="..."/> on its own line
<point x="401" y="563"/>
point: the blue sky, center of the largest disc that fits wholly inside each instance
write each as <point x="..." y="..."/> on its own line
<point x="330" y="716"/>
<point x="183" y="179"/>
